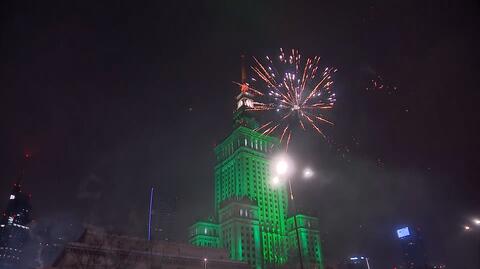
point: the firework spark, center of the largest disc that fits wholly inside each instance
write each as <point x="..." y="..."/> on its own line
<point x="300" y="91"/>
<point x="378" y="84"/>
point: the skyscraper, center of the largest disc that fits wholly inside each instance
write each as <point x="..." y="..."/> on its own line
<point x="14" y="230"/>
<point x="164" y="207"/>
<point x="413" y="251"/>
<point x="251" y="216"/>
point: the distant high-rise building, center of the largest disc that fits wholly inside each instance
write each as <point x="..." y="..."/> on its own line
<point x="14" y="229"/>
<point x="413" y="250"/>
<point x="357" y="262"/>
<point x="164" y="215"/>
<point x="251" y="216"/>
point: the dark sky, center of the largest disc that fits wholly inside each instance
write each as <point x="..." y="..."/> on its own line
<point x="114" y="97"/>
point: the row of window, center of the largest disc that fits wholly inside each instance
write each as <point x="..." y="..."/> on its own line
<point x="253" y="143"/>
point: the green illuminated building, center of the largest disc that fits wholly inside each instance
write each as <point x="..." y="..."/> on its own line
<point x="251" y="216"/>
<point x="309" y="239"/>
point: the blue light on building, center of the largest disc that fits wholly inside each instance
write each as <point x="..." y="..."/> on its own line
<point x="413" y="251"/>
<point x="403" y="232"/>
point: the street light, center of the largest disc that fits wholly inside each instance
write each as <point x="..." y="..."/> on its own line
<point x="283" y="166"/>
<point x="307" y="172"/>
<point x="283" y="169"/>
<point x="276" y="181"/>
<point x="476" y="231"/>
<point x="205" y="263"/>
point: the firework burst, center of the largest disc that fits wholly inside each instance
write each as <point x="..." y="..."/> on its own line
<point x="298" y="90"/>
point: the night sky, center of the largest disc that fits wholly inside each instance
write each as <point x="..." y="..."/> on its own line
<point x="111" y="98"/>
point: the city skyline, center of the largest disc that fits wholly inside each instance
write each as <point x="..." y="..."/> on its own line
<point x="113" y="99"/>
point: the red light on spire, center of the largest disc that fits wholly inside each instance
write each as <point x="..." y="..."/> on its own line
<point x="244" y="88"/>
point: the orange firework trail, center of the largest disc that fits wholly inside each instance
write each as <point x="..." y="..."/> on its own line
<point x="300" y="91"/>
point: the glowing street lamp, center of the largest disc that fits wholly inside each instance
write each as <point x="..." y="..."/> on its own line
<point x="307" y="173"/>
<point x="283" y="169"/>
<point x="475" y="222"/>
<point x="205" y="263"/>
<point x="276" y="181"/>
<point x="475" y="230"/>
<point x="283" y="166"/>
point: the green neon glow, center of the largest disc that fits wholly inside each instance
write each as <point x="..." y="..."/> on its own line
<point x="205" y="234"/>
<point x="309" y="239"/>
<point x="251" y="214"/>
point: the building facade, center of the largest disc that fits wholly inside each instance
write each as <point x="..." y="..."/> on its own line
<point x="251" y="215"/>
<point x="14" y="228"/>
<point x="309" y="239"/>
<point x="97" y="249"/>
<point x="164" y="216"/>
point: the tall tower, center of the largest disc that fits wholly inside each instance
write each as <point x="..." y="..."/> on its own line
<point x="14" y="230"/>
<point x="164" y="215"/>
<point x="413" y="250"/>
<point x="250" y="218"/>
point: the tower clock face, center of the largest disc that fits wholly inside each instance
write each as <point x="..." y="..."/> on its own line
<point x="245" y="102"/>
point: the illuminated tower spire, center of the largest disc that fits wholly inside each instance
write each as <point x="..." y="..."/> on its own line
<point x="244" y="86"/>
<point x="241" y="116"/>
<point x="19" y="180"/>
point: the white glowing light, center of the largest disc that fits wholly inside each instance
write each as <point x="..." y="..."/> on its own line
<point x="12" y="196"/>
<point x="275" y="181"/>
<point x="307" y="173"/>
<point x="282" y="167"/>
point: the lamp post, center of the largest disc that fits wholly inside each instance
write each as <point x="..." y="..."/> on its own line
<point x="275" y="181"/>
<point x="205" y="263"/>
<point x="283" y="168"/>
<point x="475" y="228"/>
